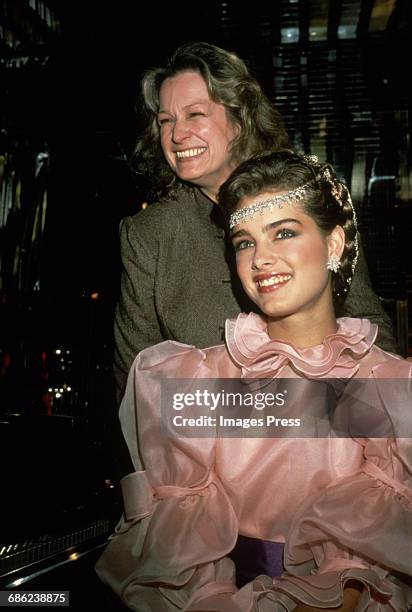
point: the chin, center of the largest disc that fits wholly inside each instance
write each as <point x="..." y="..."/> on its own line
<point x="274" y="307"/>
<point x="191" y="177"/>
<point x="277" y="314"/>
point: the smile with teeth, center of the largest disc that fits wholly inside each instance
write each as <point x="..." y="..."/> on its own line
<point x="190" y="152"/>
<point x="277" y="279"/>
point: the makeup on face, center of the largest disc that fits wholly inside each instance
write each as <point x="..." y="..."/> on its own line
<point x="281" y="256"/>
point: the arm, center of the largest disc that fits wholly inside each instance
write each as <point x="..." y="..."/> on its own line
<point x="364" y="303"/>
<point x="178" y="523"/>
<point x="358" y="533"/>
<point x="136" y="325"/>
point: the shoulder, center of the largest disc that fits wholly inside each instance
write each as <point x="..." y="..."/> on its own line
<point x="181" y="360"/>
<point x="376" y="362"/>
<point x="161" y="214"/>
<point x="389" y="365"/>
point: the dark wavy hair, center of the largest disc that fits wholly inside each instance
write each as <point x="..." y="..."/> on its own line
<point x="326" y="200"/>
<point x="229" y="83"/>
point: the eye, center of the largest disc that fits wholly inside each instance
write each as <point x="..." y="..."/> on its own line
<point x="163" y="121"/>
<point x="196" y="114"/>
<point x="285" y="233"/>
<point x="243" y="244"/>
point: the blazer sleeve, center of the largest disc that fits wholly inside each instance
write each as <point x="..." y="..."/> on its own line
<point x="362" y="302"/>
<point x="136" y="325"/>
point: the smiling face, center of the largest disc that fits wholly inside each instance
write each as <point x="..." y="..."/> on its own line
<point x="281" y="258"/>
<point x="195" y="132"/>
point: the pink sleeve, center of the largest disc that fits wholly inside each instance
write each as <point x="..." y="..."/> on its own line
<point x="358" y="528"/>
<point x="179" y="523"/>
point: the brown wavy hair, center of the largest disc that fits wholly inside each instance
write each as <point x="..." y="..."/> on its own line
<point x="229" y="83"/>
<point x="288" y="170"/>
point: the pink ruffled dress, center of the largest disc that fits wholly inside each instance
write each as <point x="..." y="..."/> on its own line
<point x="341" y="506"/>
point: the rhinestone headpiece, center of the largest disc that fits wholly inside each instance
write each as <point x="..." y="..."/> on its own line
<point x="243" y="215"/>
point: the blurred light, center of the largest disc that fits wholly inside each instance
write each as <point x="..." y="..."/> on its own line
<point x="144" y="205"/>
<point x="50" y="390"/>
<point x="73" y="557"/>
<point x="58" y="395"/>
<point x="347" y="31"/>
<point x="289" y="35"/>
<point x="17" y="582"/>
<point x="94" y="295"/>
<point x="68" y="389"/>
<point x="58" y="351"/>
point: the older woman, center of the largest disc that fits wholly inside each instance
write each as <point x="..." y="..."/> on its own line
<point x="322" y="493"/>
<point x="205" y="115"/>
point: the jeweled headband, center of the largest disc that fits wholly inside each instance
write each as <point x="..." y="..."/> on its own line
<point x="244" y="214"/>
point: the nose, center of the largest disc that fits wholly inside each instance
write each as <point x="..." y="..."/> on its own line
<point x="180" y="130"/>
<point x="264" y="255"/>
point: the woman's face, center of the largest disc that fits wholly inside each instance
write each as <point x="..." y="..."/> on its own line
<point x="281" y="258"/>
<point x="195" y="132"/>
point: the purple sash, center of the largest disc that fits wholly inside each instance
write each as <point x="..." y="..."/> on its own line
<point x="253" y="557"/>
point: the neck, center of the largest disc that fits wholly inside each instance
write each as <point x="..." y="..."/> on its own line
<point x="209" y="193"/>
<point x="302" y="331"/>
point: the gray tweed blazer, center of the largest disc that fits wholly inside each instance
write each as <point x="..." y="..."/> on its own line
<point x="177" y="282"/>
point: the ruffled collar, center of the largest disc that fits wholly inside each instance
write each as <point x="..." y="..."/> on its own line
<point x="258" y="356"/>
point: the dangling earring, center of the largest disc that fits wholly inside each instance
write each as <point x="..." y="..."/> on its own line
<point x="333" y="263"/>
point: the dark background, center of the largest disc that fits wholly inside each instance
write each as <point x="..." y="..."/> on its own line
<point x="69" y="76"/>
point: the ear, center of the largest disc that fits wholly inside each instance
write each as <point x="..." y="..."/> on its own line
<point x="237" y="128"/>
<point x="336" y="241"/>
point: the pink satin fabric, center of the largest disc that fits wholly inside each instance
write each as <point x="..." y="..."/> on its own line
<point x="342" y="506"/>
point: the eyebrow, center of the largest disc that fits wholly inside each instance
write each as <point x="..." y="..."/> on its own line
<point x="267" y="227"/>
<point x="203" y="101"/>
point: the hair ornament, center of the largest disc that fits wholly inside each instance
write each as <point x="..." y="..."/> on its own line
<point x="337" y="188"/>
<point x="311" y="160"/>
<point x="288" y="197"/>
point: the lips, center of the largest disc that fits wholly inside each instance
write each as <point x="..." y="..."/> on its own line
<point x="271" y="282"/>
<point x="189" y="153"/>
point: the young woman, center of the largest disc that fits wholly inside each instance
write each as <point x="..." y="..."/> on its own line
<point x="325" y="517"/>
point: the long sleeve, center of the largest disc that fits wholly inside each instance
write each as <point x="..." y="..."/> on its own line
<point x="363" y="302"/>
<point x="179" y="523"/>
<point x="357" y="528"/>
<point x="136" y="325"/>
